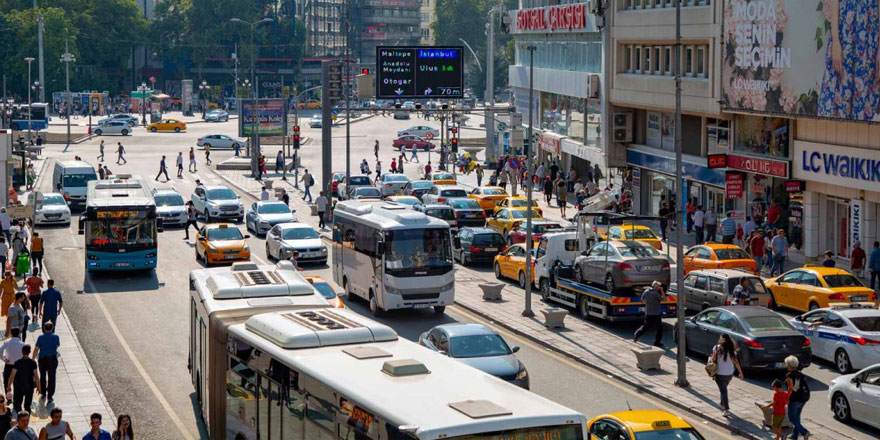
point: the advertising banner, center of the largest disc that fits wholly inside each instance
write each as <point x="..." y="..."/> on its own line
<point x="270" y="117"/>
<point x="836" y="165"/>
<point x="815" y="58"/>
<point x="568" y="18"/>
<point x="733" y="184"/>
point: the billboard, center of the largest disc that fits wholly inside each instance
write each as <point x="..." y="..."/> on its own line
<point x="270" y="116"/>
<point x="412" y="72"/>
<point x="815" y="58"/>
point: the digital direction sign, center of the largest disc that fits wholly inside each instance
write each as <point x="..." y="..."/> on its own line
<point x="412" y="72"/>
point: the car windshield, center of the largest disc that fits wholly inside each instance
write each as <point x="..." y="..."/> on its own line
<point x="215" y="112"/>
<point x="866" y="323"/>
<point x="422" y="185"/>
<point x="635" y="234"/>
<point x="77" y="180"/>
<point x="670" y="434"/>
<point x="731" y="254"/>
<point x="360" y="180"/>
<point x="453" y="193"/>
<point x="441" y="213"/>
<point x="522" y="213"/>
<point x="406" y="200"/>
<point x="477" y="346"/>
<point x="221" y="194"/>
<point x="325" y="290"/>
<point x="417" y="248"/>
<point x="299" y="234"/>
<point x="521" y="203"/>
<point x="443" y="176"/>
<point x="53" y="200"/>
<point x="488" y="240"/>
<point x="493" y="192"/>
<point x="636" y="251"/>
<point x="842" y="280"/>
<point x="394" y="178"/>
<point x="542" y="228"/>
<point x="766" y="323"/>
<point x="465" y="204"/>
<point x="169" y="200"/>
<point x="224" y="234"/>
<point x="367" y="191"/>
<point x="273" y="208"/>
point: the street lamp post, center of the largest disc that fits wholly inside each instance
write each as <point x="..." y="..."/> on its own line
<point x="527" y="311"/>
<point x="255" y="148"/>
<point x="681" y="351"/>
<point x="68" y="58"/>
<point x="203" y="90"/>
<point x="29" y="61"/>
<point x="246" y="85"/>
<point x="143" y="89"/>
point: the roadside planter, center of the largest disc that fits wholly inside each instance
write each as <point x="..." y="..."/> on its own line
<point x="554" y="317"/>
<point x="491" y="291"/>
<point x="647" y="356"/>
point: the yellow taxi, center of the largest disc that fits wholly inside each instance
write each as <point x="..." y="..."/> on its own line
<point x="507" y="219"/>
<point x="167" y="125"/>
<point x="488" y="196"/>
<point x="719" y="256"/>
<point x="442" y="178"/>
<point x="813" y="287"/>
<point x="327" y="290"/>
<point x="511" y="263"/>
<point x="633" y="232"/>
<point x="221" y="243"/>
<point x="311" y="105"/>
<point x="631" y="425"/>
<point x="517" y="202"/>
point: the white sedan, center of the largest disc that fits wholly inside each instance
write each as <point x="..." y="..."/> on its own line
<point x="219" y="141"/>
<point x="264" y="214"/>
<point x="286" y="238"/>
<point x="53" y="210"/>
<point x="420" y="131"/>
<point x="857" y="396"/>
<point x="847" y="335"/>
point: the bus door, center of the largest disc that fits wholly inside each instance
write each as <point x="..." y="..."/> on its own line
<point x="379" y="270"/>
<point x="337" y="253"/>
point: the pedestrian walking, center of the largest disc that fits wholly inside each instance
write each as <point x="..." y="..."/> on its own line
<point x="554" y="171"/>
<point x="191" y="219"/>
<point x="478" y="170"/>
<point x="699" y="217"/>
<point x="393" y="168"/>
<point x="726" y="363"/>
<point x="728" y="228"/>
<point x="376" y="149"/>
<point x="597" y="173"/>
<point x="285" y="198"/>
<point x="307" y="181"/>
<point x="652" y="297"/>
<point x="264" y="194"/>
<point x="502" y="181"/>
<point x="8" y="287"/>
<point x="120" y="151"/>
<point x="799" y="394"/>
<point x="415" y="154"/>
<point x="6" y="224"/>
<point x="428" y="170"/>
<point x="779" y="246"/>
<point x="874" y="264"/>
<point x="321" y="204"/>
<point x="107" y="172"/>
<point x="548" y="190"/>
<point x="4" y="253"/>
<point x="162" y="169"/>
<point x="710" y="224"/>
<point x="46" y="354"/>
<point x="689" y="210"/>
<point x="101" y="151"/>
<point x="857" y="260"/>
<point x="101" y="174"/>
<point x="262" y="164"/>
<point x="749" y="227"/>
<point x="34" y="285"/>
<point x="10" y="350"/>
<point x="6" y="420"/>
<point x="756" y="248"/>
<point x="124" y="430"/>
<point x="664" y="214"/>
<point x="179" y="164"/>
<point x="24" y="381"/>
<point x="279" y="162"/>
<point x="208" y="155"/>
<point x="22" y="429"/>
<point x="50" y="303"/>
<point x="562" y="197"/>
<point x="192" y="160"/>
<point x="57" y="428"/>
<point x="237" y="149"/>
<point x="16" y="316"/>
<point x="779" y="402"/>
<point x="96" y="433"/>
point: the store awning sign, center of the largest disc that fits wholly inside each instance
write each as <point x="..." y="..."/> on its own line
<point x="758" y="165"/>
<point x="795" y="186"/>
<point x="716" y="161"/>
<point x="550" y="142"/>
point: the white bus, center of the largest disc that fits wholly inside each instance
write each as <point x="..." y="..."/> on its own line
<point x="392" y="256"/>
<point x="327" y="374"/>
<point x="220" y="297"/>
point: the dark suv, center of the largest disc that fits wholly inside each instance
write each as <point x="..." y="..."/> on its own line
<point x="472" y="245"/>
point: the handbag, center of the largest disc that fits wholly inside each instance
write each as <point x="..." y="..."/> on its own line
<point x="712" y="366"/>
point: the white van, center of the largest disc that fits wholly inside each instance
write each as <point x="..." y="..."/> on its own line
<point x="71" y="178"/>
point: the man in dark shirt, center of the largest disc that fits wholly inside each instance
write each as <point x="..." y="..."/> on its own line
<point x="652" y="298"/>
<point x="24" y="379"/>
<point x="46" y="353"/>
<point x="50" y="303"/>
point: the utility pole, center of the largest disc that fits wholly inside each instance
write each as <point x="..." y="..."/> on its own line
<point x="527" y="311"/>
<point x="29" y="86"/>
<point x="347" y="98"/>
<point x="490" y="57"/>
<point x="681" y="351"/>
<point x="40" y="54"/>
<point x="255" y="147"/>
<point x="237" y="101"/>
<point x="68" y="58"/>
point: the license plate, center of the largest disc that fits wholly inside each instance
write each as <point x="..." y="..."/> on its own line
<point x="421" y="306"/>
<point x="779" y="365"/>
<point x="122" y="264"/>
<point x="650" y="268"/>
<point x="491" y="249"/>
<point x="231" y="257"/>
<point x="859" y="298"/>
<point x="641" y="310"/>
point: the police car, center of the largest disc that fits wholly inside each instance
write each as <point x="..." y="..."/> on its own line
<point x="847" y="334"/>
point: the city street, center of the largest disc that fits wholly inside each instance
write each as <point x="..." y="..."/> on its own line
<point x="133" y="327"/>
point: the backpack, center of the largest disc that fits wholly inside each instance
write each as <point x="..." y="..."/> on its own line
<point x="311" y="180"/>
<point x="801" y="392"/>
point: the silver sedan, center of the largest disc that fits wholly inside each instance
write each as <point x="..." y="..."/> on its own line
<point x="621" y="264"/>
<point x="219" y="141"/>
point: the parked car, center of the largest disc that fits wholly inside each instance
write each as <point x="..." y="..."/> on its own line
<point x="409" y="105"/>
<point x="442" y="193"/>
<point x="812" y="287"/>
<point x="403" y="200"/>
<point x="52" y="209"/>
<point x="719" y="256"/>
<point x="131" y="120"/>
<point x="488" y="196"/>
<point x="328" y="290"/>
<point x="407" y="143"/>
<point x="167" y="125"/>
<point x="476" y="245"/>
<point x="621" y="264"/>
<point x="356" y="181"/>
<point x="847" y="335"/>
<point x="539" y="228"/>
<point x="443" y="212"/>
<point x="467" y="212"/>
<point x="366" y="193"/>
<point x="392" y="183"/>
<point x="217" y="201"/>
<point x="420" y="131"/>
<point x="216" y="115"/>
<point x="857" y="396"/>
<point x="511" y="263"/>
<point x="265" y="214"/>
<point x="417" y="188"/>
<point x="285" y="238"/>
<point x="764" y="337"/>
<point x="479" y="346"/>
<point x="113" y="127"/>
<point x="219" y="142"/>
<point x="316" y="121"/>
<point x="170" y="206"/>
<point x="714" y="288"/>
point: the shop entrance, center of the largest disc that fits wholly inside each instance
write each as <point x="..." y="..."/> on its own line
<point x="837" y="219"/>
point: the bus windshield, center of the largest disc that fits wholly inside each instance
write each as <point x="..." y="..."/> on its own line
<point x="417" y="249"/>
<point x="77" y="180"/>
<point x="135" y="231"/>
<point x="563" y="432"/>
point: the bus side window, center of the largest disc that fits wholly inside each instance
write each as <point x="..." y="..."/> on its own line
<point x="292" y="416"/>
<point x="241" y="403"/>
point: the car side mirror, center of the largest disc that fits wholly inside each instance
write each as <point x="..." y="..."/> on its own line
<point x="200" y="238"/>
<point x="857" y="381"/>
<point x="799" y="318"/>
<point x="380" y="248"/>
<point x="160" y="227"/>
<point x="247" y="236"/>
<point x="514" y="349"/>
<point x="585" y="253"/>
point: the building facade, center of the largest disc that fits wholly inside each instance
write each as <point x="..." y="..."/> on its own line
<point x="386" y="23"/>
<point x="427" y="16"/>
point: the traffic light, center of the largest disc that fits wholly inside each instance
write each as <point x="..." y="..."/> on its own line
<point x="455" y="145"/>
<point x="296" y="137"/>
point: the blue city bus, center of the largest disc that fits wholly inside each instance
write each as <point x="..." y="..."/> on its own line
<point x="39" y="116"/>
<point x="120" y="225"/>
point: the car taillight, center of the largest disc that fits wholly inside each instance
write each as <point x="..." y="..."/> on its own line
<point x="200" y="139"/>
<point x="720" y="264"/>
<point x="482" y="214"/>
<point x="660" y="243"/>
<point x="441" y="200"/>
<point x="806" y="342"/>
<point x="476" y="249"/>
<point x="753" y="344"/>
<point x="873" y="297"/>
<point x="387" y="185"/>
<point x="666" y="266"/>
<point x="595" y="230"/>
<point x="864" y="341"/>
<point x="624" y="266"/>
<point x="836" y="297"/>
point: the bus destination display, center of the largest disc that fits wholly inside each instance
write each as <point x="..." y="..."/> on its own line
<point x="414" y="72"/>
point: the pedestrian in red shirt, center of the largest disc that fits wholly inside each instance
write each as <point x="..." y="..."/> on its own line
<point x="756" y="245"/>
<point x="857" y="259"/>
<point x="780" y="400"/>
<point x="773" y="214"/>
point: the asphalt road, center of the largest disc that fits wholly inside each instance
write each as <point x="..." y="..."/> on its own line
<point x="133" y="327"/>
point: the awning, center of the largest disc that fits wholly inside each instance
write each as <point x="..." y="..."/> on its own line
<point x="161" y="96"/>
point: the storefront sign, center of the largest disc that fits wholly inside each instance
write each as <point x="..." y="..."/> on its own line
<point x="550" y="142"/>
<point x="843" y="166"/>
<point x="553" y="19"/>
<point x="795" y="186"/>
<point x="692" y="169"/>
<point x="585" y="152"/>
<point x="855" y="221"/>
<point x="717" y="161"/>
<point x="653" y="129"/>
<point x="734" y="184"/>
<point x="758" y="165"/>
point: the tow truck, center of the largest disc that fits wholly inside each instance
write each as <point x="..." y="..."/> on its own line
<point x="554" y="275"/>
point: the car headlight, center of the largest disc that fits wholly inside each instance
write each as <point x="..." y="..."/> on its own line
<point x="264" y="223"/>
<point x="391" y="289"/>
<point x="245" y="248"/>
<point x="214" y="250"/>
<point x="324" y="250"/>
<point x="448" y="286"/>
<point x="523" y="373"/>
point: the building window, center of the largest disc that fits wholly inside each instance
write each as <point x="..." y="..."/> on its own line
<point x="657" y="70"/>
<point x="701" y="61"/>
<point x="688" y="61"/>
<point x="647" y="59"/>
<point x="426" y="33"/>
<point x="762" y="136"/>
<point x="637" y="59"/>
<point x="658" y="60"/>
<point x="667" y="60"/>
<point x="627" y="59"/>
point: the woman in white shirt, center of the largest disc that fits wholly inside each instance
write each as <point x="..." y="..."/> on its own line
<point x="724" y="355"/>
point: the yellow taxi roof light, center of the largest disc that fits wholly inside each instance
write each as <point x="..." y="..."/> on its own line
<point x="661" y="424"/>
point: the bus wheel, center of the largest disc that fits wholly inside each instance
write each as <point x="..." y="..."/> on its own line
<point x="439" y="309"/>
<point x="374" y="305"/>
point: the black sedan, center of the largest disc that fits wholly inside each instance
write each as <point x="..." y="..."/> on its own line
<point x="472" y="245"/>
<point x="467" y="212"/>
<point x="764" y="338"/>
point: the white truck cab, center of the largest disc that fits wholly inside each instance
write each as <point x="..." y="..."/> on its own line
<point x="554" y="249"/>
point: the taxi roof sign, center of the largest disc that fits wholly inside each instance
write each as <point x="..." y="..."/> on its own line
<point x="661" y="424"/>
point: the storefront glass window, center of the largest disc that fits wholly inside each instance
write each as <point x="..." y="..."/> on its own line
<point x="562" y="53"/>
<point x="718" y="135"/>
<point x="563" y="115"/>
<point x="762" y="136"/>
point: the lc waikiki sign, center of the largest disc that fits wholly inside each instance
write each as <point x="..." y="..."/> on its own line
<point x="554" y="19"/>
<point x="843" y="166"/>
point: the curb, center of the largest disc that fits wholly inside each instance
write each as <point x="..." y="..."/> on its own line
<point x="621" y="378"/>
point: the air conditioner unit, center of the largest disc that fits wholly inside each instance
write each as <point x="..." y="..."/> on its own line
<point x="622" y="127"/>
